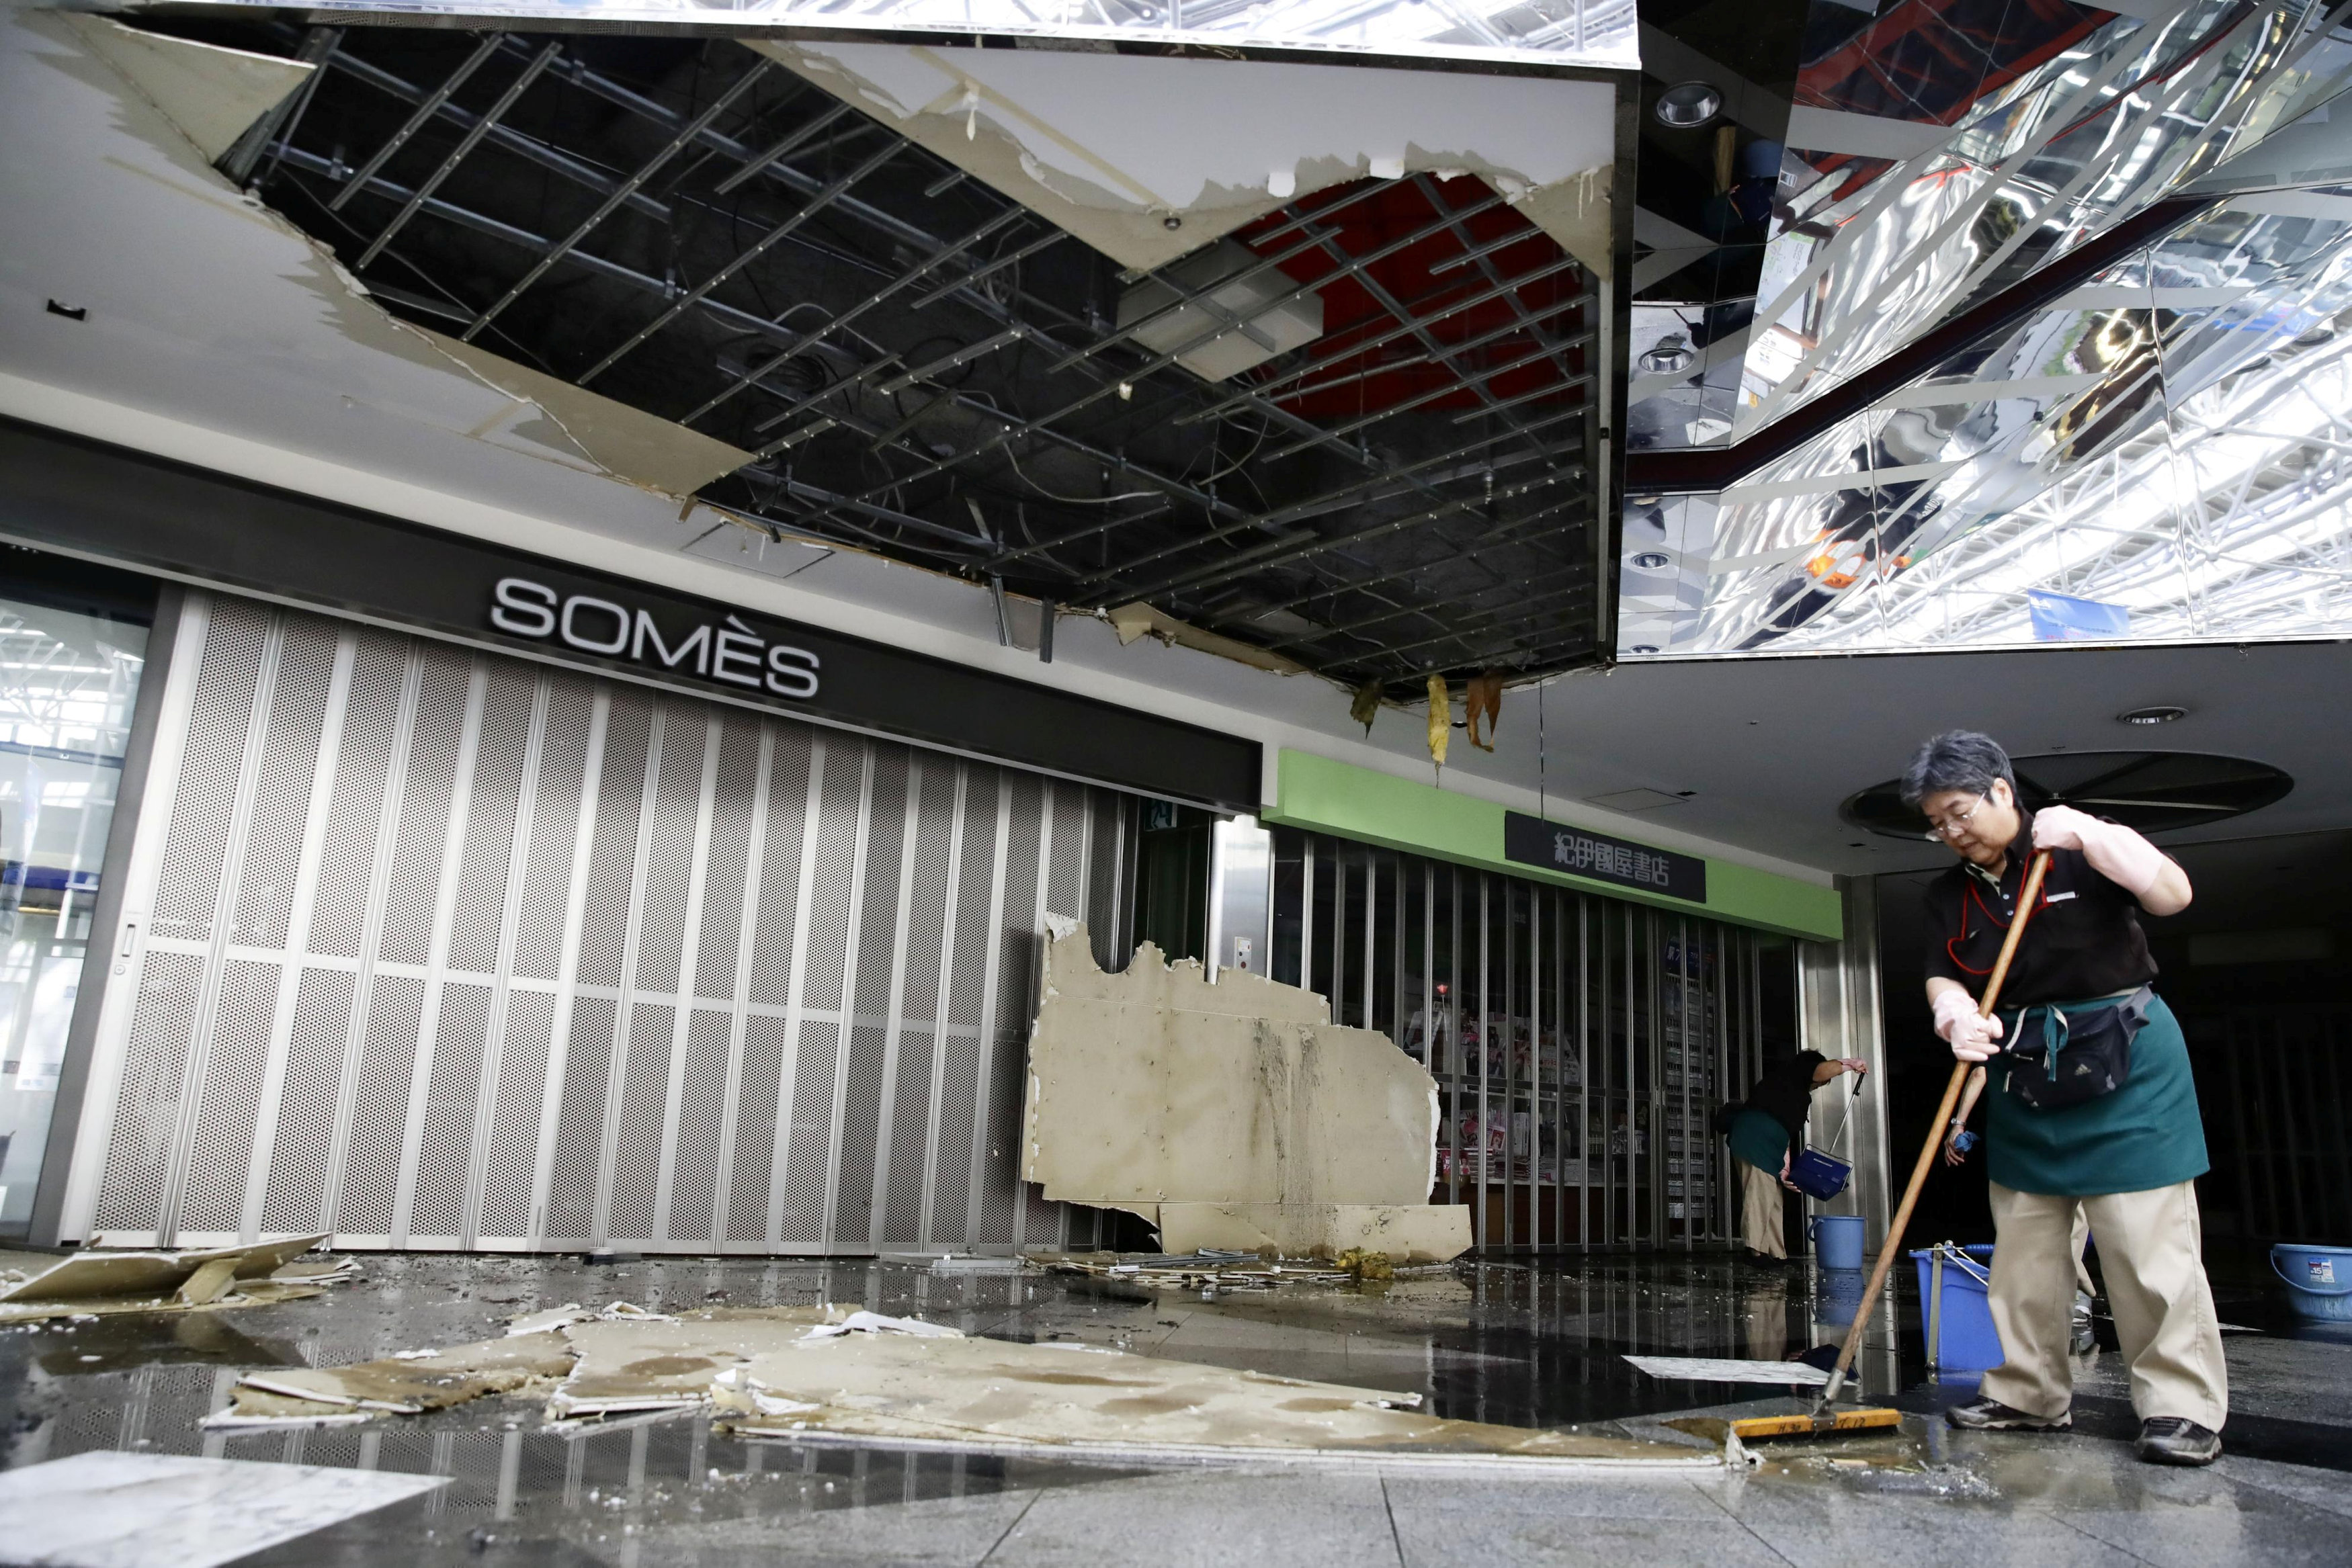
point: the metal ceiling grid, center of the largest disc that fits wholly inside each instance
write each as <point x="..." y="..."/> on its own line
<point x="921" y="367"/>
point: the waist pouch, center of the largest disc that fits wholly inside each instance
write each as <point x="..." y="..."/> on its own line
<point x="2074" y="1056"/>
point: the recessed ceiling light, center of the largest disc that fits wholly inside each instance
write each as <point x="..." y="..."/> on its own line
<point x="2160" y="712"/>
<point x="1645" y="647"/>
<point x="1688" y="104"/>
<point x="1672" y="355"/>
<point x="1650" y="559"/>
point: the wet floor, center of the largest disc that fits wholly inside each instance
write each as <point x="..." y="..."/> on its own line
<point x="1525" y="1344"/>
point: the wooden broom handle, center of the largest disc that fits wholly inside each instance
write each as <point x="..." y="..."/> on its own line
<point x="1960" y="1070"/>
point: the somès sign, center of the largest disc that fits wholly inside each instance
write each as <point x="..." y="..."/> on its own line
<point x="726" y="650"/>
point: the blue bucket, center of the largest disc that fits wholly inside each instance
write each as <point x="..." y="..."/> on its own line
<point x="2318" y="1280"/>
<point x="1837" y="1240"/>
<point x="1965" y="1327"/>
<point x="1819" y="1176"/>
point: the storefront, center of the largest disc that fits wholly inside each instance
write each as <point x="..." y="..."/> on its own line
<point x="461" y="899"/>
<point x="1584" y="1001"/>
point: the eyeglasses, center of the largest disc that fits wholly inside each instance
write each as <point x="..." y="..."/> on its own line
<point x="1955" y="824"/>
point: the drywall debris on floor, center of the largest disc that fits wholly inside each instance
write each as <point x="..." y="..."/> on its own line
<point x="1235" y="1116"/>
<point x="1192" y="1272"/>
<point x="1233" y="1271"/>
<point x="813" y="1374"/>
<point x="1069" y="1399"/>
<point x="97" y="1281"/>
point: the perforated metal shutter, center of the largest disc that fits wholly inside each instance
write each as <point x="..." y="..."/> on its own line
<point x="440" y="949"/>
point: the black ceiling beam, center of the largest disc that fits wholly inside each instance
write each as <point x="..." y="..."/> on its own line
<point x="1709" y="470"/>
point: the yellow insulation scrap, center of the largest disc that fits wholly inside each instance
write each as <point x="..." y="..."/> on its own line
<point x="1441" y="720"/>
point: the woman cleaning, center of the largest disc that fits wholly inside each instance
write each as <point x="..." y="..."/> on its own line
<point x="2089" y="1102"/>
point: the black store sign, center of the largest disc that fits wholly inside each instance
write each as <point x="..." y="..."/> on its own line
<point x="93" y="499"/>
<point x="1531" y="841"/>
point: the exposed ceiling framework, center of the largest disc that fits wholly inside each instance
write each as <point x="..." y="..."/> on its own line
<point x="1348" y="426"/>
<point x="2047" y="342"/>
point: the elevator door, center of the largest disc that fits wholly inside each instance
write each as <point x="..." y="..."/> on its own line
<point x="435" y="949"/>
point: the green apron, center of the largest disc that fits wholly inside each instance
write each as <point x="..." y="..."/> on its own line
<point x="2145" y="1134"/>
<point x="1760" y="1141"/>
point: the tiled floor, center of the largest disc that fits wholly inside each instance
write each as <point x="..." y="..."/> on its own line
<point x="1516" y="1343"/>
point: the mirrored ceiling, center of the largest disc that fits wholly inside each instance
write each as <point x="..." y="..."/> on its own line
<point x="1584" y="31"/>
<point x="2047" y="343"/>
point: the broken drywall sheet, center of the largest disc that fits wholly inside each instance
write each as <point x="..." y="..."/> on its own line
<point x="1237" y="1112"/>
<point x="627" y="1367"/>
<point x="96" y="1282"/>
<point x="536" y="1352"/>
<point x="1140" y="619"/>
<point x="181" y="97"/>
<point x="212" y="94"/>
<point x="1113" y="147"/>
<point x="628" y="443"/>
<point x="1069" y="1400"/>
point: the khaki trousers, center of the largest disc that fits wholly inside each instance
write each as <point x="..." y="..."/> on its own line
<point x="2150" y="1251"/>
<point x="1760" y="1210"/>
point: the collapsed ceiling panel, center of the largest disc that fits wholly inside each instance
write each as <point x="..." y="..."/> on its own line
<point x="212" y="94"/>
<point x="1348" y="426"/>
<point x="1148" y="158"/>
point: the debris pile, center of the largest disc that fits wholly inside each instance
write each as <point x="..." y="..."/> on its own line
<point x="1215" y="1270"/>
<point x="841" y="1375"/>
<point x="96" y="1283"/>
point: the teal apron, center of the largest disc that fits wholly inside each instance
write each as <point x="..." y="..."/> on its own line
<point x="2146" y="1135"/>
<point x="1758" y="1140"/>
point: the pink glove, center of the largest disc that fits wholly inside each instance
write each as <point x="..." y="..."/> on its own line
<point x="1970" y="1034"/>
<point x="2117" y="854"/>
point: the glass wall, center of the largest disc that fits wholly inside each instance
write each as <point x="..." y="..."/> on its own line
<point x="1580" y="1044"/>
<point x="69" y="675"/>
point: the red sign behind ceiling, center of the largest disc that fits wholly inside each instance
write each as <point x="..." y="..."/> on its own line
<point x="1410" y="331"/>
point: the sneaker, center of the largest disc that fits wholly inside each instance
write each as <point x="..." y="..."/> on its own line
<point x="1992" y="1416"/>
<point x="2177" y="1440"/>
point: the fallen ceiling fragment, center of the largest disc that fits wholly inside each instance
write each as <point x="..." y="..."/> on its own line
<point x="1150" y="159"/>
<point x="834" y="1373"/>
<point x="990" y="1396"/>
<point x="97" y="1281"/>
<point x="1233" y="1116"/>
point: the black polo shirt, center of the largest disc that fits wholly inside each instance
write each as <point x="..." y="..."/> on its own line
<point x="1785" y="1091"/>
<point x="2085" y="939"/>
